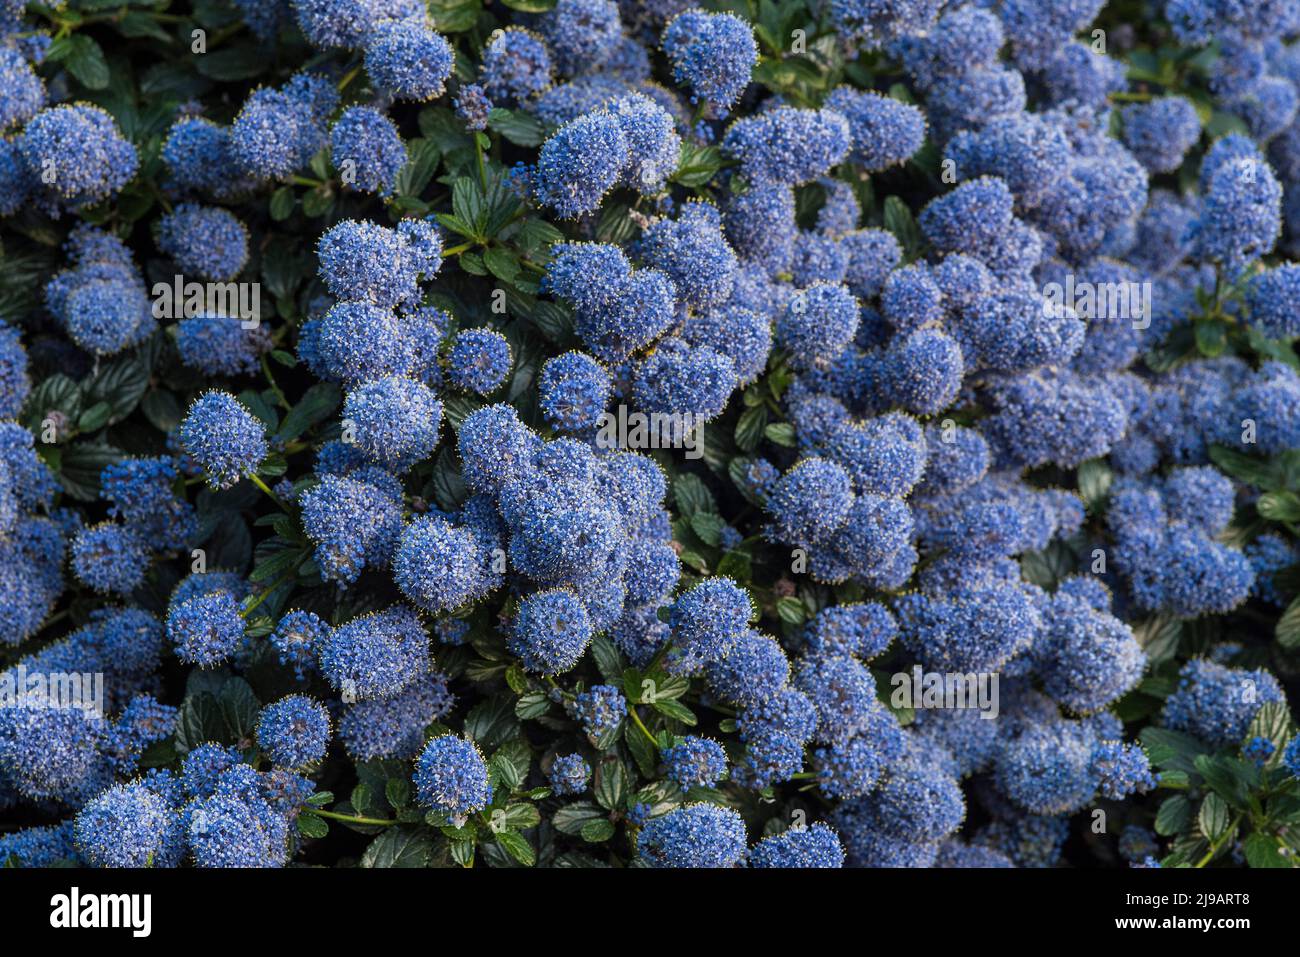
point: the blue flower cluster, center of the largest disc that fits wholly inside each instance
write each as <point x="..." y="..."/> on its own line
<point x="864" y="437"/>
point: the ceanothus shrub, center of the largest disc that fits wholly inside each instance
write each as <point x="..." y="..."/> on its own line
<point x="589" y="433"/>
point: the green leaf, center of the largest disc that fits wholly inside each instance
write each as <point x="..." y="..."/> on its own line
<point x="692" y="495"/>
<point x="644" y="753"/>
<point x="781" y="433"/>
<point x="675" y="709"/>
<point x="398" y="847"/>
<point x="532" y="705"/>
<point x="472" y="263"/>
<point x="81" y="465"/>
<point x="1211" y="338"/>
<point x="521" y="817"/>
<point x="530" y="6"/>
<point x="749" y="428"/>
<point x="312" y="825"/>
<point x="519" y="127"/>
<point x="1263" y="851"/>
<point x="1287" y="628"/>
<point x="58" y="393"/>
<point x="228" y="64"/>
<point x="317" y="404"/>
<point x="1250" y="470"/>
<point x="492" y="722"/>
<point x="1272" y="723"/>
<point x="423" y="156"/>
<point x="1227" y="776"/>
<point x="454" y="16"/>
<point x="95" y="417"/>
<point x="1214" y="816"/>
<point x="510" y="763"/>
<point x="398" y="792"/>
<point x="121" y="382"/>
<point x="1174" y="816"/>
<point x="697" y="165"/>
<point x="283" y="201"/>
<point x="1279" y="506"/>
<point x="607" y="657"/>
<point x="1170" y="749"/>
<point x="571" y="818"/>
<point x="1159" y="637"/>
<point x="161" y="409"/>
<point x="898" y="220"/>
<point x="1095" y="478"/>
<point x="462" y="852"/>
<point x="317" y="202"/>
<point x="708" y="526"/>
<point x="501" y="263"/>
<point x="85" y="60"/>
<point x="610" y="786"/>
<point x="593" y="832"/>
<point x="517" y="846"/>
<point x="791" y="610"/>
<point x="138" y="24"/>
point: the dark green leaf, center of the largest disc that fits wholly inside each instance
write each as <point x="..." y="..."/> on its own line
<point x="312" y="825"/>
<point x="593" y="832"/>
<point x="1174" y="816"/>
<point x="571" y="818"/>
<point x="517" y="846"/>
<point x="518" y="127"/>
<point x="1214" y="816"/>
<point x="233" y="63"/>
<point x="675" y="709"/>
<point x="85" y="60"/>
<point x="692" y="495"/>
<point x="610" y="785"/>
<point x="398" y="847"/>
<point x="81" y="465"/>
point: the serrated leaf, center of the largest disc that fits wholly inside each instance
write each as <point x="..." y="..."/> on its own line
<point x="233" y="63"/>
<point x="283" y="201"/>
<point x="501" y="263"/>
<point x="697" y="165"/>
<point x="571" y="818"/>
<point x="454" y="16"/>
<point x="518" y="127"/>
<point x="593" y="832"/>
<point x="610" y="785"/>
<point x="521" y="817"/>
<point x="312" y="825"/>
<point x="1174" y="816"/>
<point x="1214" y="816"/>
<point x="692" y="495"/>
<point x="398" y="792"/>
<point x="1095" y="478"/>
<point x="898" y="219"/>
<point x="532" y="705"/>
<point x="1279" y="506"/>
<point x="398" y="847"/>
<point x="317" y="404"/>
<point x="791" y="610"/>
<point x="517" y="846"/>
<point x="81" y="465"/>
<point x="1263" y="850"/>
<point x="85" y="60"/>
<point x="676" y="710"/>
<point x="1287" y="629"/>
